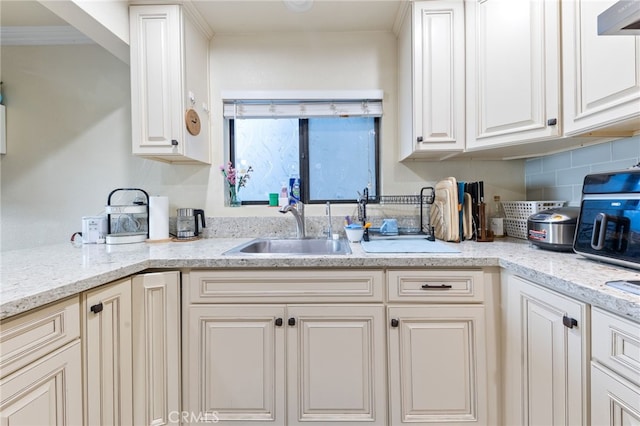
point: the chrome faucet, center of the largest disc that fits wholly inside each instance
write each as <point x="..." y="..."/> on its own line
<point x="297" y="210"/>
<point x="329" y="228"/>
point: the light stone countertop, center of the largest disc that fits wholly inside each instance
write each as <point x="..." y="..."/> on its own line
<point x="31" y="278"/>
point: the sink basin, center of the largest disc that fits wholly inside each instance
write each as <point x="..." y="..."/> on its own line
<point x="305" y="246"/>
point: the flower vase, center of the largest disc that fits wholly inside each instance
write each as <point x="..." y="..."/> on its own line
<point x="234" y="201"/>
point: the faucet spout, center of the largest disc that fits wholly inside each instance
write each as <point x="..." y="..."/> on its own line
<point x="297" y="210"/>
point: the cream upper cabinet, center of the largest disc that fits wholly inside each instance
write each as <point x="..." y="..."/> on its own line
<point x="601" y="82"/>
<point x="431" y="80"/>
<point x="513" y="72"/>
<point x="41" y="368"/>
<point x="546" y="343"/>
<point x="107" y="354"/>
<point x="169" y="84"/>
<point x="156" y="348"/>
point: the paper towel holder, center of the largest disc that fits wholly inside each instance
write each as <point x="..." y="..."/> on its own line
<point x="159" y="219"/>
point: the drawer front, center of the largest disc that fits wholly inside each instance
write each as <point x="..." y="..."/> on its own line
<point x="449" y="286"/>
<point x="615" y="342"/>
<point x="268" y="286"/>
<point x="30" y="336"/>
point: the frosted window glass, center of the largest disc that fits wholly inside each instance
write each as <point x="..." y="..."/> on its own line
<point x="271" y="147"/>
<point x="342" y="157"/>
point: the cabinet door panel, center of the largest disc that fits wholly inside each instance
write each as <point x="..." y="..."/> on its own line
<point x="156" y="348"/>
<point x="547" y="360"/>
<point x="108" y="355"/>
<point x="614" y="400"/>
<point x="437" y="362"/>
<point x="514" y="73"/>
<point x="602" y="73"/>
<point x="155" y="72"/>
<point x="336" y="365"/>
<point x="235" y="363"/>
<point x="46" y="392"/>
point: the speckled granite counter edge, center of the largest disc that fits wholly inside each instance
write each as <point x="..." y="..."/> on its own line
<point x="516" y="258"/>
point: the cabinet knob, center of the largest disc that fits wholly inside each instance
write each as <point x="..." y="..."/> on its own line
<point x="552" y="122"/>
<point x="419" y="139"/>
<point x="569" y="322"/>
<point x="279" y="322"/>
<point x="97" y="308"/>
<point x="292" y="321"/>
<point x="174" y="142"/>
<point x="394" y="322"/>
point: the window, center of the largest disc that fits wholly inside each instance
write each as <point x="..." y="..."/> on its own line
<point x="333" y="147"/>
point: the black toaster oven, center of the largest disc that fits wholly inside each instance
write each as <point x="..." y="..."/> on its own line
<point x="608" y="227"/>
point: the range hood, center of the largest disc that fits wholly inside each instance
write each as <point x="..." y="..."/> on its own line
<point x="623" y="18"/>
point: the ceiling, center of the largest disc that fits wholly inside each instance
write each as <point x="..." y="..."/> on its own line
<point x="249" y="16"/>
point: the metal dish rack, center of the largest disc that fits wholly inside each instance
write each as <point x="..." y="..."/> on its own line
<point x="426" y="197"/>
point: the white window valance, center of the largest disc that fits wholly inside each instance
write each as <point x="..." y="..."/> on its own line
<point x="303" y="104"/>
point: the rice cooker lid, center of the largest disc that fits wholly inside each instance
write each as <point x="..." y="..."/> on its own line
<point x="560" y="215"/>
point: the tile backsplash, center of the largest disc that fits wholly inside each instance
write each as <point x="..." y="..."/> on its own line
<point x="560" y="176"/>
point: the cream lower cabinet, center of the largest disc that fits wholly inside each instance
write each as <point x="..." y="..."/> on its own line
<point x="546" y="344"/>
<point x="107" y="354"/>
<point x="308" y="359"/>
<point x="439" y="368"/>
<point x="156" y="348"/>
<point x="615" y="370"/>
<point x="40" y="367"/>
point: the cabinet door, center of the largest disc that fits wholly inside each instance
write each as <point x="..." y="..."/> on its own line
<point x="513" y="74"/>
<point x="601" y="85"/>
<point x="336" y="365"/>
<point x="431" y="84"/>
<point x="437" y="365"/>
<point x="45" y="392"/>
<point x="156" y="77"/>
<point x="234" y="364"/>
<point x="156" y="348"/>
<point x="106" y="311"/>
<point x="546" y="361"/>
<point x="614" y="400"/>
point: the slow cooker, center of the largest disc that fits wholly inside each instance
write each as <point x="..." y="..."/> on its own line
<point x="553" y="229"/>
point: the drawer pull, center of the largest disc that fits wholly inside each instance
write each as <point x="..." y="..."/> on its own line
<point x="97" y="308"/>
<point x="436" y="287"/>
<point x="569" y="322"/>
<point x="279" y="322"/>
<point x="395" y="322"/>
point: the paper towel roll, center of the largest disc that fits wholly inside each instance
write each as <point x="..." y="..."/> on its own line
<point x="158" y="218"/>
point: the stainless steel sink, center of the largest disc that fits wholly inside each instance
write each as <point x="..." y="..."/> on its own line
<point x="304" y="246"/>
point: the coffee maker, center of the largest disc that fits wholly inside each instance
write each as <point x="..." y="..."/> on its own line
<point x="187" y="223"/>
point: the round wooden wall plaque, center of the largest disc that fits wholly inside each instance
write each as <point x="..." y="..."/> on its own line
<point x="193" y="122"/>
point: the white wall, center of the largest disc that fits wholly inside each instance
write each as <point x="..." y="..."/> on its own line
<point x="68" y="129"/>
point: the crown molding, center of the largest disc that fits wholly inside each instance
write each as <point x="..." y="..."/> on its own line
<point x="42" y="35"/>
